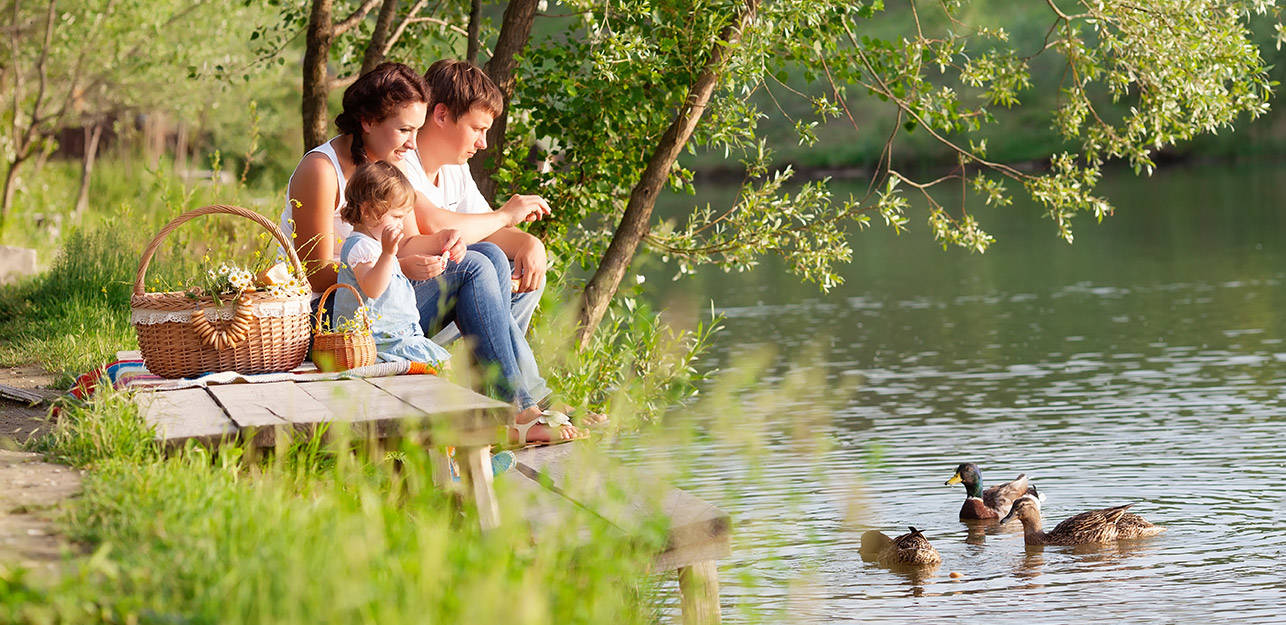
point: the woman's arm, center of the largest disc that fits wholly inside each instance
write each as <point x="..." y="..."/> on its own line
<point x="314" y="191"/>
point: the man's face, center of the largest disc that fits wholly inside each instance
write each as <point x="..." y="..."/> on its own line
<point x="467" y="134"/>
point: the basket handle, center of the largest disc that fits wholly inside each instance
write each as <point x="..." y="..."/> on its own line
<point x="325" y="294"/>
<point x="207" y="210"/>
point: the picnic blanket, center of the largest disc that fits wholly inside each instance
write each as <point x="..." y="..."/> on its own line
<point x="128" y="371"/>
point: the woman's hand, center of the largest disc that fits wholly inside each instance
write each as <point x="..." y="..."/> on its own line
<point x="447" y="241"/>
<point x="434" y="266"/>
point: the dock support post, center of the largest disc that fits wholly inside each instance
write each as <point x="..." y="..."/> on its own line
<point x="476" y="474"/>
<point x="699" y="592"/>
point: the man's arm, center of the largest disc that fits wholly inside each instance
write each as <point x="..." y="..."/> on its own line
<point x="473" y="227"/>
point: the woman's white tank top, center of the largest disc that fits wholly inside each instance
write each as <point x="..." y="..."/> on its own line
<point x="341" y="228"/>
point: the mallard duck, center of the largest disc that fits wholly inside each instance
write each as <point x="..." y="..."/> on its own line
<point x="994" y="502"/>
<point x="911" y="549"/>
<point x="1095" y="526"/>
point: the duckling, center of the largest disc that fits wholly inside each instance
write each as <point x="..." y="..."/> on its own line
<point x="994" y="502"/>
<point x="910" y="549"/>
<point x="1095" y="526"/>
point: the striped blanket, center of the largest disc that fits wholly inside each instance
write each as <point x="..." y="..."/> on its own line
<point x="128" y="371"/>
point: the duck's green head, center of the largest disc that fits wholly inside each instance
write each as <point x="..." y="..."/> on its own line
<point x="969" y="475"/>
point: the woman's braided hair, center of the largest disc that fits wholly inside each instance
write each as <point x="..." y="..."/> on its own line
<point x="374" y="96"/>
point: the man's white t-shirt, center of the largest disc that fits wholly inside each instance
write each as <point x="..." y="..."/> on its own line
<point x="455" y="189"/>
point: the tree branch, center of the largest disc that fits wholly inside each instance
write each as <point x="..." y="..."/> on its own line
<point x="355" y="18"/>
<point x="375" y="47"/>
<point x="401" y="26"/>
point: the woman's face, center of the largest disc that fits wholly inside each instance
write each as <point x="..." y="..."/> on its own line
<point x="391" y="138"/>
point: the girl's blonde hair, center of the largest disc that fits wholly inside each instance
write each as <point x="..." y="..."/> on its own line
<point x="375" y="189"/>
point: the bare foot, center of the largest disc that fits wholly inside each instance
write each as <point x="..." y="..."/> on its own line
<point x="541" y="432"/>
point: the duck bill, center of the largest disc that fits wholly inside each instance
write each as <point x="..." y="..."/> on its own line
<point x="1007" y="516"/>
<point x="955" y="479"/>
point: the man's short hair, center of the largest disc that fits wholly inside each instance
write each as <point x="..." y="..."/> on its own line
<point x="461" y="86"/>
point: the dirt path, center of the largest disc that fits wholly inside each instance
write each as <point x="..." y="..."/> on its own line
<point x="31" y="490"/>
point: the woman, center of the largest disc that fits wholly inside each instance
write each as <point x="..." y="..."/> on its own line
<point x="383" y="110"/>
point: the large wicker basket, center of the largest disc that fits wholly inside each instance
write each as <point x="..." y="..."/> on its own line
<point x="183" y="337"/>
<point x="341" y="351"/>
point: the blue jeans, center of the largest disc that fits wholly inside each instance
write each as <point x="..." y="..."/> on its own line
<point x="469" y="294"/>
<point x="521" y="306"/>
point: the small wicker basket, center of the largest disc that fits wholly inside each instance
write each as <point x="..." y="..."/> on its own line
<point x="260" y="333"/>
<point x="341" y="351"/>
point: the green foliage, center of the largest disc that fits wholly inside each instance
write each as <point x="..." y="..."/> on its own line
<point x="1132" y="81"/>
<point x="636" y="364"/>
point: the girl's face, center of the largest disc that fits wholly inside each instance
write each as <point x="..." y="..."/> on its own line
<point x="391" y="138"/>
<point x="376" y="225"/>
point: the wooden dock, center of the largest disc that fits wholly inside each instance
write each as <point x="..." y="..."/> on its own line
<point x="268" y="414"/>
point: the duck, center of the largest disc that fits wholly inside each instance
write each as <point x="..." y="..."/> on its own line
<point x="1095" y="526"/>
<point x="910" y="549"/>
<point x="994" y="502"/>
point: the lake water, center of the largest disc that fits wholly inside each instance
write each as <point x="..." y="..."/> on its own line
<point x="1145" y="364"/>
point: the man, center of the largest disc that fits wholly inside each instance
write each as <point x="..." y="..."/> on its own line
<point x="462" y="106"/>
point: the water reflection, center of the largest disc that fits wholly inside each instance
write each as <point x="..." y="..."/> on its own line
<point x="1144" y="364"/>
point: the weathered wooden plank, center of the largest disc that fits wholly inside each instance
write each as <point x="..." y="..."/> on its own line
<point x="21" y="395"/>
<point x="546" y="513"/>
<point x="368" y="409"/>
<point x="263" y="411"/>
<point x="435" y="395"/>
<point x="472" y="417"/>
<point x="184" y="414"/>
<point x="698" y="531"/>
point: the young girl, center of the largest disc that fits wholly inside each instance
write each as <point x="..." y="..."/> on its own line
<point x="377" y="200"/>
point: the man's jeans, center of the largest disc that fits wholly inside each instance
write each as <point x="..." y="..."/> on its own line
<point x="471" y="294"/>
<point x="522" y="306"/>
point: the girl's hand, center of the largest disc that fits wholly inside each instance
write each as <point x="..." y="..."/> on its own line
<point x="391" y="238"/>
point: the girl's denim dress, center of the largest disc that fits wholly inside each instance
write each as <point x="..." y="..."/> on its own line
<point x="395" y="319"/>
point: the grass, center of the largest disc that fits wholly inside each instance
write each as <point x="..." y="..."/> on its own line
<point x="320" y="531"/>
<point x="323" y="533"/>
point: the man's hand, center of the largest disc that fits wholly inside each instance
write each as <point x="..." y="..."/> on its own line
<point x="530" y="265"/>
<point x="521" y="208"/>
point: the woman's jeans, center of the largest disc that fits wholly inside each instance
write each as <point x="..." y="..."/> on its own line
<point x="471" y="294"/>
<point x="521" y="306"/>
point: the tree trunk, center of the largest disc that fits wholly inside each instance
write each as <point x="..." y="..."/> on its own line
<point x="181" y="149"/>
<point x="514" y="33"/>
<point x="475" y="23"/>
<point x="92" y="135"/>
<point x="375" y="48"/>
<point x="10" y="178"/>
<point x="321" y="32"/>
<point x="636" y="221"/>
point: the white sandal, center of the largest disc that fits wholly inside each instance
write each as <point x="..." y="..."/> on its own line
<point x="556" y="422"/>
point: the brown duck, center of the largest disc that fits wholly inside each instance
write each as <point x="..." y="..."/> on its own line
<point x="910" y="549"/>
<point x="1095" y="526"/>
<point x="994" y="502"/>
